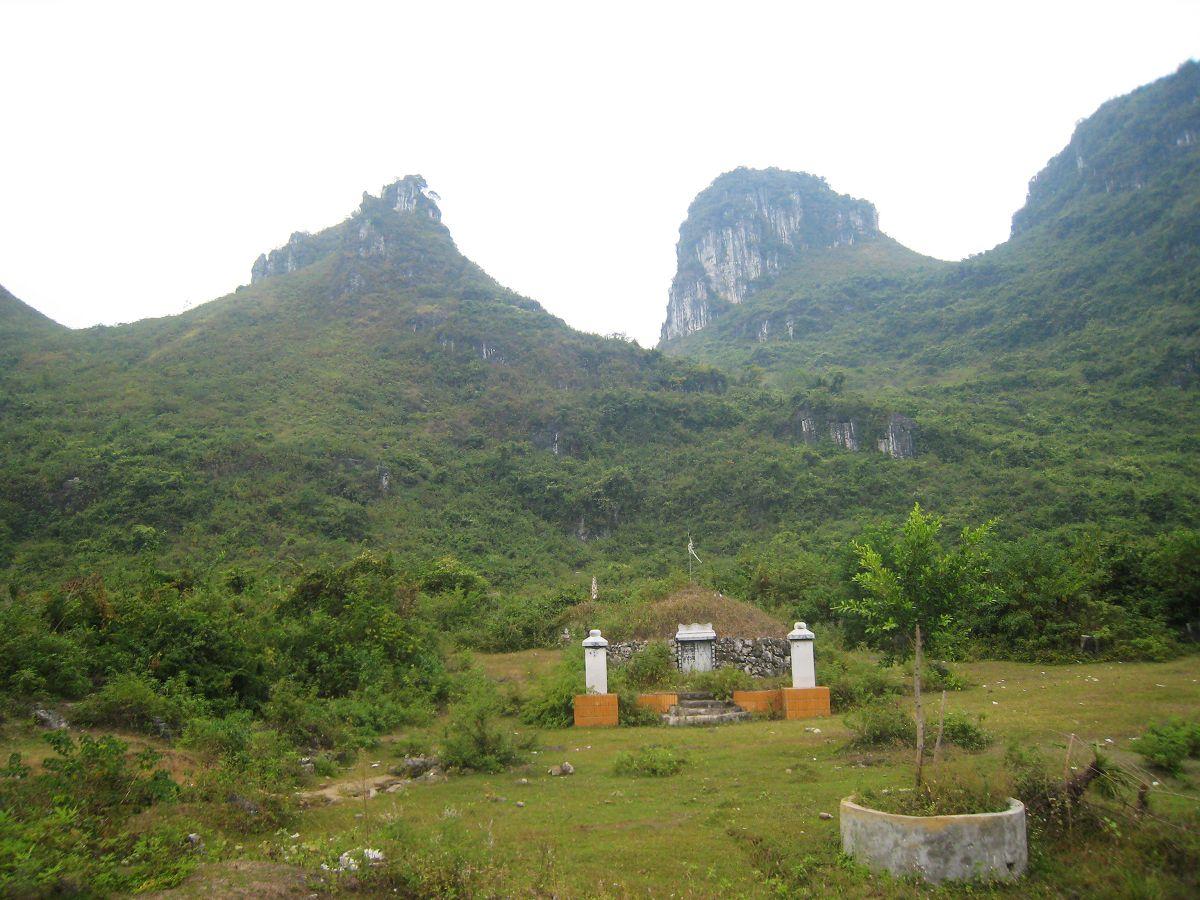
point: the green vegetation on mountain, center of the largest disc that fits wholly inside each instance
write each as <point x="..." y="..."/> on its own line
<point x="372" y="389"/>
<point x="257" y="537"/>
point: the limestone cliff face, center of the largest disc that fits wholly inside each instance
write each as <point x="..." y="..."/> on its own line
<point x="895" y="440"/>
<point x="743" y="228"/>
<point x="364" y="233"/>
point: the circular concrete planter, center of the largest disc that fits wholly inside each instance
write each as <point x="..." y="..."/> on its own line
<point x="938" y="848"/>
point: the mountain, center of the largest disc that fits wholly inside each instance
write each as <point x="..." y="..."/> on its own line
<point x="1112" y="219"/>
<point x="373" y="388"/>
<point x="1068" y="355"/>
<point x="749" y="225"/>
<point x="19" y="321"/>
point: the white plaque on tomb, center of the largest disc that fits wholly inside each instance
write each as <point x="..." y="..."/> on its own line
<point x="695" y="643"/>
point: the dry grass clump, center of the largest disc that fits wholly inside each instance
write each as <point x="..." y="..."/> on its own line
<point x="661" y="618"/>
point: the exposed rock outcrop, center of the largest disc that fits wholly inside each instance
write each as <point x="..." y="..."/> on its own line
<point x="897" y="440"/>
<point x="363" y="233"/>
<point x="743" y="228"/>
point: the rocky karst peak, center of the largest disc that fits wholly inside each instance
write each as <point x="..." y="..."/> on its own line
<point x="743" y="228"/>
<point x="1147" y="139"/>
<point x="363" y="232"/>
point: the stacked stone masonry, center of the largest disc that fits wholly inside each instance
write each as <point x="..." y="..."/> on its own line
<point x="761" y="657"/>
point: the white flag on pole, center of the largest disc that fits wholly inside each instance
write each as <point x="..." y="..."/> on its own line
<point x="692" y="549"/>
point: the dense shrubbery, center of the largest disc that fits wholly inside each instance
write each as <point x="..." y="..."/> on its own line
<point x="475" y="739"/>
<point x="64" y="829"/>
<point x="1167" y="744"/>
<point x="722" y="682"/>
<point x="883" y="722"/>
<point x="852" y="681"/>
<point x="653" y="667"/>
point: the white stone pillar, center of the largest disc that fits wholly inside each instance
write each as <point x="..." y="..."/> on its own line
<point x="595" y="663"/>
<point x="804" y="669"/>
<point x="695" y="644"/>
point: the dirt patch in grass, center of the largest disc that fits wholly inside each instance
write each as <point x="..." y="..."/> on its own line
<point x="241" y="878"/>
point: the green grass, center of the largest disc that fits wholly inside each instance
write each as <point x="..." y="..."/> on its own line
<point x="742" y="819"/>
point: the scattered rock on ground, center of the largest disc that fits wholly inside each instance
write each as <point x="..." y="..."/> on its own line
<point x="565" y="769"/>
<point x="246" y="805"/>
<point x="48" y="718"/>
<point x="416" y="766"/>
<point x="826" y="815"/>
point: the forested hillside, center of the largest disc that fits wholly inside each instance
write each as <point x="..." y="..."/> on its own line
<point x="373" y="389"/>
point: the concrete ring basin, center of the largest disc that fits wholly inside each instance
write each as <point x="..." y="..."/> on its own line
<point x="937" y="848"/>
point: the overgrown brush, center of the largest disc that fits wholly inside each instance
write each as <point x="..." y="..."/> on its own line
<point x="885" y="722"/>
<point x="653" y="667"/>
<point x="652" y="760"/>
<point x="476" y="739"/>
<point x="66" y="829"/>
<point x="946" y="796"/>
<point x="881" y="723"/>
<point x="853" y="681"/>
<point x="1166" y="745"/>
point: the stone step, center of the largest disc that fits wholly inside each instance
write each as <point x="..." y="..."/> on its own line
<point x="694" y="695"/>
<point x="708" y="718"/>
<point x="702" y="704"/>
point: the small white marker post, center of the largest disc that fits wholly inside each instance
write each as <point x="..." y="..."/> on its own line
<point x="595" y="663"/>
<point x="804" y="669"/>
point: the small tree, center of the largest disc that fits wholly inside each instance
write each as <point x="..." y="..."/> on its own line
<point x="919" y="593"/>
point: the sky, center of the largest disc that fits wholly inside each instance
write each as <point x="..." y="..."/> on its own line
<point x="151" y="151"/>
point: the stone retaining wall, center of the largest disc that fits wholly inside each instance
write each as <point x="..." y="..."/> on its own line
<point x="762" y="657"/>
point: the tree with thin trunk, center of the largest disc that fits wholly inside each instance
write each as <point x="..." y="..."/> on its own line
<point x="915" y="593"/>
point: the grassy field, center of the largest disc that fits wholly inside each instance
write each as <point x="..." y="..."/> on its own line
<point x="743" y="817"/>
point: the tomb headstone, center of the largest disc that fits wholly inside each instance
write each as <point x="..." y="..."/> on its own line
<point x="695" y="647"/>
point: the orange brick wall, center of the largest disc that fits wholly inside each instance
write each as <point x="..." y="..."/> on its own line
<point x="659" y="703"/>
<point x="805" y="703"/>
<point x="759" y="702"/>
<point x="595" y="709"/>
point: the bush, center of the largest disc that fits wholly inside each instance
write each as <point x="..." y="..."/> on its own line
<point x="852" y="681"/>
<point x="951" y="797"/>
<point x="303" y="718"/>
<point x="881" y="723"/>
<point x="937" y="676"/>
<point x="140" y="703"/>
<point x="474" y="737"/>
<point x="652" y="760"/>
<point x="97" y="775"/>
<point x="551" y="703"/>
<point x="653" y="667"/>
<point x="721" y="683"/>
<point x="959" y="729"/>
<point x="629" y="711"/>
<point x="63" y="830"/>
<point x="1166" y="745"/>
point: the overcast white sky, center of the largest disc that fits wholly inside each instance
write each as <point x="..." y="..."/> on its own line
<point x="150" y="151"/>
